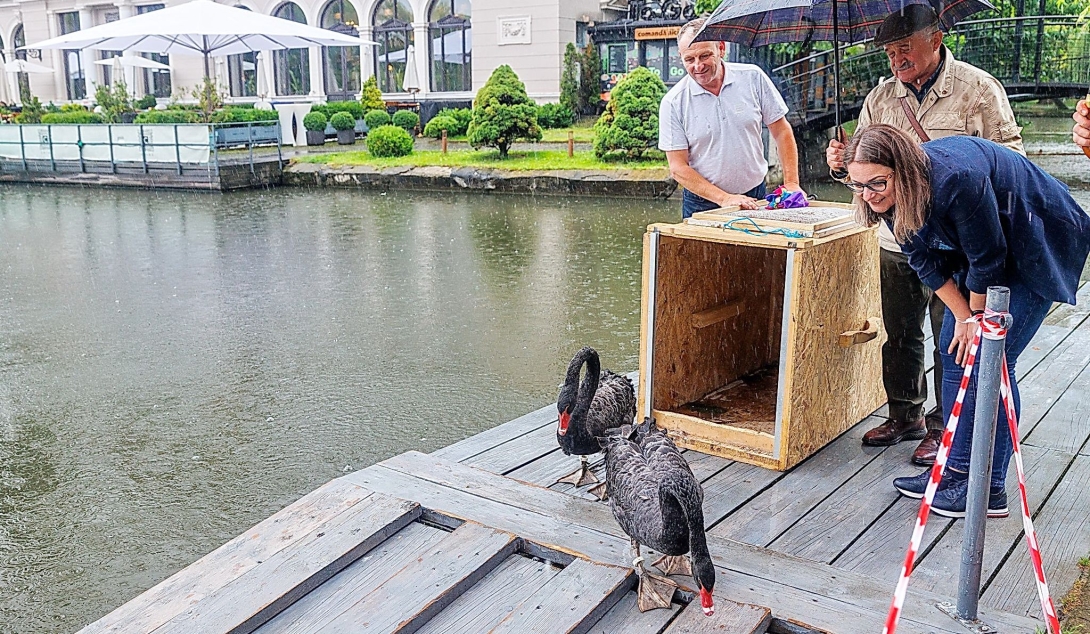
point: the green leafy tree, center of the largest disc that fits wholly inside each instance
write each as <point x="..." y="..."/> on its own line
<point x="371" y="95"/>
<point x="209" y="98"/>
<point x="503" y="113"/>
<point x="630" y="123"/>
<point x="569" y="80"/>
<point x="115" y="101"/>
<point x="704" y="7"/>
<point x="590" y="78"/>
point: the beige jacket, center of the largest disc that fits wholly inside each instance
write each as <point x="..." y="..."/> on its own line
<point x="964" y="100"/>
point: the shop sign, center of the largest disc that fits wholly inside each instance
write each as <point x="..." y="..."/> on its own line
<point x="661" y="11"/>
<point x="657" y="33"/>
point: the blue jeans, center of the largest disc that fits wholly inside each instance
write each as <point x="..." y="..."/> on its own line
<point x="691" y="203"/>
<point x="1028" y="311"/>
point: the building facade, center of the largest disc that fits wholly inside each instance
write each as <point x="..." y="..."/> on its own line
<point x="456" y="44"/>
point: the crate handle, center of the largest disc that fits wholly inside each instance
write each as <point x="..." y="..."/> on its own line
<point x="856" y="337"/>
<point x="716" y="314"/>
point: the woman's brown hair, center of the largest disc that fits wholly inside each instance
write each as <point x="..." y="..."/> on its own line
<point x="887" y="146"/>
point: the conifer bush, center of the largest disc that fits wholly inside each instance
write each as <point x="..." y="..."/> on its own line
<point x="389" y="140"/>
<point x="371" y="98"/>
<point x="630" y="124"/>
<point x="438" y="123"/>
<point x="503" y="113"/>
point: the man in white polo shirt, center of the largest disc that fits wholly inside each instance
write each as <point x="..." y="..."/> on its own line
<point x="710" y="128"/>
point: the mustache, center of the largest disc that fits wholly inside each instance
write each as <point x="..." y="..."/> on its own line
<point x="904" y="66"/>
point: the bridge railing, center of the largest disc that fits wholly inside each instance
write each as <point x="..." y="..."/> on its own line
<point x="1035" y="56"/>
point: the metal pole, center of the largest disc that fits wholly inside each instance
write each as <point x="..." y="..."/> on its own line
<point x="113" y="163"/>
<point x="52" y="160"/>
<point x="22" y="148"/>
<point x="143" y="150"/>
<point x="177" y="150"/>
<point x="989" y="366"/>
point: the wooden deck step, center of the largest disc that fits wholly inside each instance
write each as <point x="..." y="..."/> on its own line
<point x="571" y="602"/>
<point x="729" y="618"/>
<point x="248" y="580"/>
<point x="626" y="617"/>
<point x="427" y="585"/>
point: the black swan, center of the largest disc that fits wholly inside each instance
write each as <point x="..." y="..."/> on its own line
<point x="659" y="504"/>
<point x="603" y="401"/>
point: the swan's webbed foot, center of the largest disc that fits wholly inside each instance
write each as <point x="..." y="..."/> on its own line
<point x="654" y="592"/>
<point x="600" y="491"/>
<point x="674" y="565"/>
<point x="581" y="477"/>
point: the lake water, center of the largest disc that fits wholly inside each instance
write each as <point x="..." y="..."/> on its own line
<point x="175" y="367"/>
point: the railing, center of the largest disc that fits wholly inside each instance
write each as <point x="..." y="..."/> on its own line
<point x="133" y="148"/>
<point x="1035" y="56"/>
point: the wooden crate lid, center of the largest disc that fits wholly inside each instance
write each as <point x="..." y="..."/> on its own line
<point x="785" y="228"/>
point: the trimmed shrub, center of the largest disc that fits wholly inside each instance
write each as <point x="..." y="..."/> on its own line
<point x="463" y="117"/>
<point x="569" y="80"/>
<point x="552" y="115"/>
<point x="376" y="118"/>
<point x="145" y="102"/>
<point x="315" y="121"/>
<point x="72" y="116"/>
<point x="389" y="140"/>
<point x="173" y="115"/>
<point x="342" y="121"/>
<point x="630" y="123"/>
<point x="371" y="96"/>
<point x="235" y="114"/>
<point x="503" y="113"/>
<point x="435" y="127"/>
<point x="354" y="108"/>
<point x="406" y="119"/>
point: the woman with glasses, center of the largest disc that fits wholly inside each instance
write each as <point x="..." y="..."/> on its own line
<point x="971" y="214"/>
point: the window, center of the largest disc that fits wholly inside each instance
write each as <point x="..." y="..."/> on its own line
<point x="393" y="30"/>
<point x="242" y="71"/>
<point x="291" y="68"/>
<point x="75" y="83"/>
<point x="18" y="40"/>
<point x="156" y="82"/>
<point x="451" y="45"/>
<point x="341" y="63"/>
<point x="662" y="58"/>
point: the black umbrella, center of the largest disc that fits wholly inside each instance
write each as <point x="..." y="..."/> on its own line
<point x="762" y="22"/>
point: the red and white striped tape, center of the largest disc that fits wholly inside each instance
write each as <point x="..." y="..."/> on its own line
<point x="992" y="326"/>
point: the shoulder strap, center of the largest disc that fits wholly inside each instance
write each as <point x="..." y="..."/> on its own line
<point x="912" y="120"/>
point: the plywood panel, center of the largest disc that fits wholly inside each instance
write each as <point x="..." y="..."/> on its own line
<point x="830" y="387"/>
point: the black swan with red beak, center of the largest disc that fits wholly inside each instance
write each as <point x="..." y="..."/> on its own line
<point x="602" y="401"/>
<point x="658" y="502"/>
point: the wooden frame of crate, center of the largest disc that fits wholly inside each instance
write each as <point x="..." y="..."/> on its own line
<point x="760" y="347"/>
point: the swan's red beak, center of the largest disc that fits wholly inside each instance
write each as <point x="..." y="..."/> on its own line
<point x="706" y="602"/>
<point x="565" y="418"/>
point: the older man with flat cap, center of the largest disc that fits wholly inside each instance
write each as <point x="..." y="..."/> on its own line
<point x="931" y="95"/>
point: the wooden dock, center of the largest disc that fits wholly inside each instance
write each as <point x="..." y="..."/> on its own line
<point x="477" y="538"/>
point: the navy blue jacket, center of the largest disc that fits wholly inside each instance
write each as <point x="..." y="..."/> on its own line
<point x="995" y="215"/>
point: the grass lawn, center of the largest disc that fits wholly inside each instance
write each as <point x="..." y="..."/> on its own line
<point x="517" y="160"/>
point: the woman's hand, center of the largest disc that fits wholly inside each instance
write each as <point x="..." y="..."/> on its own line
<point x="964" y="332"/>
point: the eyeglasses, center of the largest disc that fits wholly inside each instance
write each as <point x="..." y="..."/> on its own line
<point x="877" y="185"/>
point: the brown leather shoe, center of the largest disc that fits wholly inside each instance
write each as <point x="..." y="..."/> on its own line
<point x="892" y="432"/>
<point x="925" y="453"/>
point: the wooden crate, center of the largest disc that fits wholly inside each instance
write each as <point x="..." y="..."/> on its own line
<point x="759" y="348"/>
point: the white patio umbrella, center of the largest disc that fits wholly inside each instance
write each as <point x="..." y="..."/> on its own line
<point x="5" y="87"/>
<point x="411" y="81"/>
<point x="200" y="27"/>
<point x="133" y="62"/>
<point x="23" y="66"/>
<point x="262" y="84"/>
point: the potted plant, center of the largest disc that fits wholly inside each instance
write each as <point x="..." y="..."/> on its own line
<point x="345" y="125"/>
<point x="315" y="122"/>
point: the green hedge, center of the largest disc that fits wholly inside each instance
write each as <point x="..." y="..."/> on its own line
<point x="376" y="118"/>
<point x="435" y="127"/>
<point x="72" y="116"/>
<point x="461" y="115"/>
<point x="406" y="119"/>
<point x="145" y="102"/>
<point x="389" y="140"/>
<point x="168" y="116"/>
<point x="353" y="108"/>
<point x="552" y="115"/>
<point x="235" y="114"/>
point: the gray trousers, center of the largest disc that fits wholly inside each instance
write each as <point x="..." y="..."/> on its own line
<point x="906" y="302"/>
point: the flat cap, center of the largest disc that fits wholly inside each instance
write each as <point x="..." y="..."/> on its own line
<point x="901" y="24"/>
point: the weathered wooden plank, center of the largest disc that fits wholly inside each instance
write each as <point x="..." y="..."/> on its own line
<point x="511" y="430"/>
<point x="1063" y="532"/>
<point x="938" y="569"/>
<point x="1052" y="379"/>
<point x="705" y="465"/>
<point x="626" y="618"/>
<point x="1061" y="321"/>
<point x="834" y="524"/>
<point x="511" y="455"/>
<point x="571" y="602"/>
<point x="230" y="561"/>
<point x="880" y="551"/>
<point x="732" y="487"/>
<point x="546" y="469"/>
<point x="778" y="508"/>
<point x="494" y="597"/>
<point x="1066" y="426"/>
<point x="429" y="584"/>
<point x="265" y="590"/>
<point x="729" y="618"/>
<point x="358" y="580"/>
<point x="791" y="587"/>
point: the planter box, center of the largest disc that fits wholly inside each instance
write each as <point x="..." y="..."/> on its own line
<point x="242" y="135"/>
<point x="759" y="348"/>
<point x="315" y="137"/>
<point x="346" y="137"/>
<point x="361" y="128"/>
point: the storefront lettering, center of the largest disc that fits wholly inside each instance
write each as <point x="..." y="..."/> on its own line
<point x="663" y="11"/>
